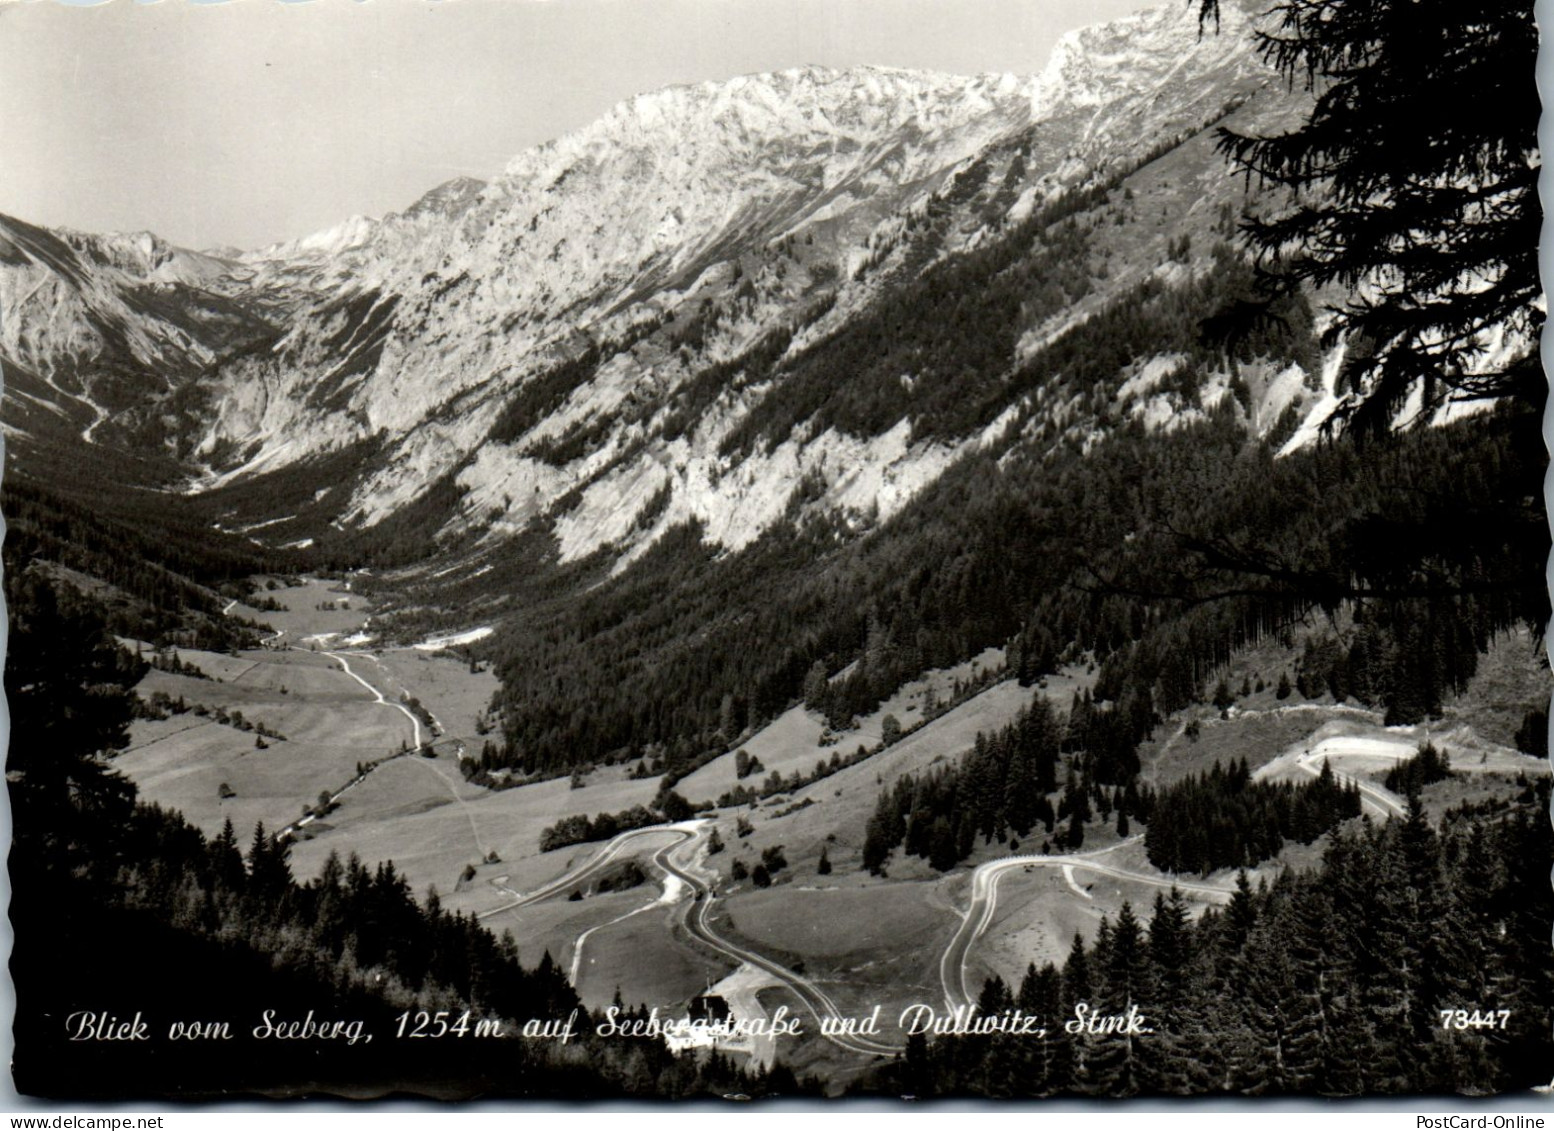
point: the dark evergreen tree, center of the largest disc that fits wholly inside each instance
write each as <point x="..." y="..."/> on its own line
<point x="1421" y="199"/>
<point x="1413" y="774"/>
<point x="1074" y="839"/>
<point x="1123" y="1065"/>
<point x="1532" y="737"/>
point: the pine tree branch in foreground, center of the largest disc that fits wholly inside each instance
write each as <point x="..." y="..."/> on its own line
<point x="1413" y="186"/>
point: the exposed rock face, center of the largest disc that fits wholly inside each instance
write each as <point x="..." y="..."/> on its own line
<point x="579" y="339"/>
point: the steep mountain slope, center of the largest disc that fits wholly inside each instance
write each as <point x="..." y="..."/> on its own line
<point x="600" y="233"/>
<point x="711" y="301"/>
<point x="582" y="337"/>
<point x="96" y="325"/>
<point x="318" y="268"/>
<point x="726" y="308"/>
<point x="605" y="315"/>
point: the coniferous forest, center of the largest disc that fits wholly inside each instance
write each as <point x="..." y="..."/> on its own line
<point x="1223" y="819"/>
<point x="1372" y="974"/>
<point x="149" y="919"/>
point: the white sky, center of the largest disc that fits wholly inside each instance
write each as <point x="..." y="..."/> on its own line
<point x="252" y="121"/>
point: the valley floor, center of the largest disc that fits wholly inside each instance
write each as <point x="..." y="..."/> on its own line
<point x="653" y="915"/>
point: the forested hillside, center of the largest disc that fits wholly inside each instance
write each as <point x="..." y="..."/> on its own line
<point x="203" y="932"/>
<point x="1157" y="554"/>
<point x="1414" y="960"/>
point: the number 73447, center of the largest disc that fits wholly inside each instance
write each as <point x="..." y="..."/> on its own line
<point x="1477" y="1019"/>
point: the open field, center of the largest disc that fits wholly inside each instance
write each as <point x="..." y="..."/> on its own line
<point x="1257" y="734"/>
<point x="647" y="963"/>
<point x="840" y="805"/>
<point x="845" y="925"/>
<point x="793" y="741"/>
<point x="443" y="683"/>
<point x="300" y="615"/>
<point x="1465" y="789"/>
<point x="418" y="812"/>
<point x="397" y="815"/>
<point x="554" y="925"/>
<point x="220" y="666"/>
<point x="1512" y="679"/>
<point x="907" y="701"/>
<point x="628" y="946"/>
<point x="790" y="742"/>
<point x="329" y="721"/>
<point x="864" y="947"/>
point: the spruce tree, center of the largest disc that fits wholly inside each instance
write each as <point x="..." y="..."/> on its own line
<point x="1414" y="187"/>
<point x="1077" y="989"/>
<point x="1121" y="1065"/>
<point x="1076" y="831"/>
<point x="1052" y="1062"/>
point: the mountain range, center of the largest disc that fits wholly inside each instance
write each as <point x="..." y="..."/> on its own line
<point x="622" y="331"/>
<point x="817" y="494"/>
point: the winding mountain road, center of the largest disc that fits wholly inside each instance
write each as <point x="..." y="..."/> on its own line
<point x="1336" y="750"/>
<point x="677" y="862"/>
<point x="577" y="876"/>
<point x="1306" y="760"/>
<point x="1383" y="801"/>
<point x="696" y="919"/>
<point x="984" y="906"/>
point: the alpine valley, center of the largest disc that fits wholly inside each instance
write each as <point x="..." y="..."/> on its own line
<point x="855" y="546"/>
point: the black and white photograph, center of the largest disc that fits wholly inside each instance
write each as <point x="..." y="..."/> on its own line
<point x="724" y="550"/>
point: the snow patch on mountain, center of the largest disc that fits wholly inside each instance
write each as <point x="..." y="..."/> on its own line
<point x="454" y="640"/>
<point x="351" y="233"/>
<point x="1327" y="402"/>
